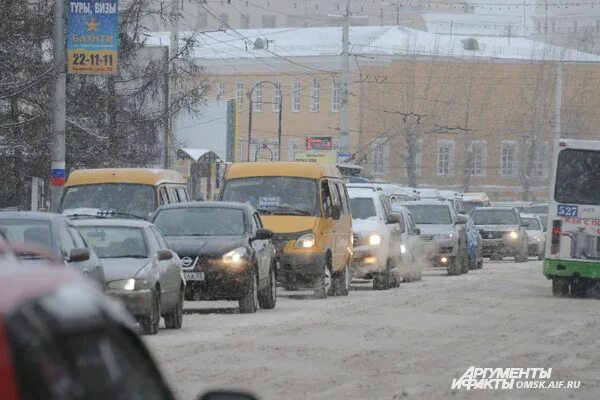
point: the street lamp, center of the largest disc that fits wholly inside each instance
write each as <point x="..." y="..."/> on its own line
<point x="278" y="88"/>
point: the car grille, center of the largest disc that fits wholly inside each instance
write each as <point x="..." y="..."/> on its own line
<point x="492" y="234"/>
<point x="356" y="239"/>
<point x="446" y="249"/>
<point x="190" y="262"/>
<point x="427" y="238"/>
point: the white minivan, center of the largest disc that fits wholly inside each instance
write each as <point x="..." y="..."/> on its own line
<point x="382" y="239"/>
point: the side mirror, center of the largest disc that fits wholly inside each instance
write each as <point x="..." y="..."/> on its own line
<point x="461" y="219"/>
<point x="164" y="255"/>
<point x="226" y="395"/>
<point x="336" y="212"/>
<point x="79" y="255"/>
<point x="416" y="232"/>
<point x="393" y="218"/>
<point x="263" y="234"/>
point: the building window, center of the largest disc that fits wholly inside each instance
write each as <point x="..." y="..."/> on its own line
<point x="293" y="149"/>
<point x="295" y="6"/>
<point x="478" y="157"/>
<point x="245" y="21"/>
<point x="224" y="20"/>
<point x="379" y="155"/>
<point x="268" y="21"/>
<point x="337" y="7"/>
<point x="539" y="160"/>
<point x="296" y="97"/>
<point x="553" y="26"/>
<point x="316" y="6"/>
<point x="239" y="95"/>
<point x="220" y="89"/>
<point x="276" y="97"/>
<point x="336" y="97"/>
<point x="508" y="161"/>
<point x="445" y="158"/>
<point x="258" y="97"/>
<point x="315" y="98"/>
<point x="202" y="21"/>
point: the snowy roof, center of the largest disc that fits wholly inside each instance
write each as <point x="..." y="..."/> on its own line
<point x="476" y="24"/>
<point x="366" y="40"/>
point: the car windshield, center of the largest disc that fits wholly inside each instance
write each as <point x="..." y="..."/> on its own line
<point x="275" y="194"/>
<point x="494" y="217"/>
<point x="534" y="224"/>
<point x="430" y="214"/>
<point x="33" y="232"/>
<point x="139" y="200"/>
<point x="362" y="208"/>
<point x="470" y="205"/>
<point x="537" y="209"/>
<point x="200" y="221"/>
<point x="116" y="241"/>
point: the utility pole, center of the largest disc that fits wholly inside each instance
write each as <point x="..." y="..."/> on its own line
<point x="58" y="107"/>
<point x="344" y="134"/>
<point x="171" y="131"/>
<point x="557" y="106"/>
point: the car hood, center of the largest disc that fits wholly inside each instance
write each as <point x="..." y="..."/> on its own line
<point x="122" y="268"/>
<point x="288" y="223"/>
<point x="366" y="225"/>
<point x="212" y="246"/>
<point x="435" y="229"/>
<point x="497" y="228"/>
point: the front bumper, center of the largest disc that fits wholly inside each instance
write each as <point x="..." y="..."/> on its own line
<point x="137" y="302"/>
<point x="536" y="248"/>
<point x="300" y="267"/>
<point x="220" y="282"/>
<point x="500" y="247"/>
<point x="366" y="261"/>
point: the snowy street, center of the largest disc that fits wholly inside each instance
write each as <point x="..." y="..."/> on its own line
<point x="403" y="343"/>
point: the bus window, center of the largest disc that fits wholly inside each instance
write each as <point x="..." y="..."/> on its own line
<point x="164" y="197"/>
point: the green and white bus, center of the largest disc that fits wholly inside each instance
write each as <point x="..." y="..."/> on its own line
<point x="573" y="241"/>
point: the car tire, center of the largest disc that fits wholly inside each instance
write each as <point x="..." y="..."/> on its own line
<point x="496" y="257"/>
<point x="322" y="283"/>
<point x="464" y="266"/>
<point x="248" y="303"/>
<point x="579" y="287"/>
<point x="560" y="287"/>
<point x="383" y="280"/>
<point x="522" y="256"/>
<point x="479" y="264"/>
<point x="455" y="266"/>
<point x="174" y="320"/>
<point x="267" y="297"/>
<point x="340" y="284"/>
<point x="540" y="257"/>
<point x="150" y="323"/>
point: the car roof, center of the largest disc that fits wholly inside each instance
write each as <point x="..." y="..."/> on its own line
<point x="142" y="176"/>
<point x="208" y="204"/>
<point x="30" y="215"/>
<point x="280" y="169"/>
<point x="523" y="215"/>
<point x="19" y="285"/>
<point x="432" y="202"/>
<point x="365" y="192"/>
<point x="505" y="208"/>
<point x="126" y="222"/>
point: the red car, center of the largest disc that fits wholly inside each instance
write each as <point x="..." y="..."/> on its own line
<point x="60" y="338"/>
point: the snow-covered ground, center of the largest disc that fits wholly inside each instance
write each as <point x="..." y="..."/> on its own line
<point x="406" y="343"/>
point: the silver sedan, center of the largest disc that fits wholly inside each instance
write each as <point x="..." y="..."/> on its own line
<point x="140" y="269"/>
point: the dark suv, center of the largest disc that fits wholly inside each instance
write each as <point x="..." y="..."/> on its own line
<point x="503" y="232"/>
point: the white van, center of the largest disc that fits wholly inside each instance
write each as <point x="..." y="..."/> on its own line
<point x="475" y="199"/>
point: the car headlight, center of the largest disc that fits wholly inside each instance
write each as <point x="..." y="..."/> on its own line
<point x="374" y="239"/>
<point x="513" y="235"/>
<point x="235" y="256"/>
<point x="537" y="239"/>
<point x="446" y="236"/>
<point x="305" y="241"/>
<point x="402" y="249"/>
<point x="128" y="284"/>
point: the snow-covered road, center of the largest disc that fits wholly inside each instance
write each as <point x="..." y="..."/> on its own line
<point x="406" y="343"/>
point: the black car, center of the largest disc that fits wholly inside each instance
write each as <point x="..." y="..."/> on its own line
<point x="503" y="232"/>
<point x="55" y="233"/>
<point x="225" y="252"/>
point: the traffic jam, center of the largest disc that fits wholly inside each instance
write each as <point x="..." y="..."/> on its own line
<point x="131" y="250"/>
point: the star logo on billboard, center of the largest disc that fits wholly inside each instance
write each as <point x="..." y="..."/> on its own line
<point x="92" y="25"/>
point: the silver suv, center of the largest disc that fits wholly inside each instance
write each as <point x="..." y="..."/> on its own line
<point x="443" y="234"/>
<point x="503" y="232"/>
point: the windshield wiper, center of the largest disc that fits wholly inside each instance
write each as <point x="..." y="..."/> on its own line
<point x="288" y="209"/>
<point x="127" y="256"/>
<point x="264" y="211"/>
<point x="125" y="214"/>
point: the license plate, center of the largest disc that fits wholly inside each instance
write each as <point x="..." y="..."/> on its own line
<point x="193" y="276"/>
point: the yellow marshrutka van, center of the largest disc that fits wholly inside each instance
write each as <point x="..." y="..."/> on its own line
<point x="136" y="191"/>
<point x="306" y="206"/>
